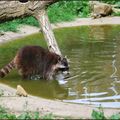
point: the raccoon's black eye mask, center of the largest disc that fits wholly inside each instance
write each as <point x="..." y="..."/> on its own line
<point x="63" y="69"/>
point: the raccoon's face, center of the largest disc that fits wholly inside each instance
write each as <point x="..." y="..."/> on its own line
<point x="62" y="66"/>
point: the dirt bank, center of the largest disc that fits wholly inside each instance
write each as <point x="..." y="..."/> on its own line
<point x="16" y="104"/>
<point x="59" y="108"/>
<point x="27" y="30"/>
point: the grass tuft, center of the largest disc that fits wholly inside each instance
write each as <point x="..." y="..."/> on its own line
<point x="60" y="11"/>
<point x="4" y="114"/>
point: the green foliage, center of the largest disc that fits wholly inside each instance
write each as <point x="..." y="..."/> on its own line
<point x="97" y="115"/>
<point x="24" y="116"/>
<point x="115" y="117"/>
<point x="9" y="26"/>
<point x="36" y="115"/>
<point x="5" y="115"/>
<point x="60" y="11"/>
<point x="2" y="110"/>
<point x="112" y="2"/>
<point x="68" y="10"/>
<point x="29" y="116"/>
<point x="14" y="24"/>
<point x="29" y="21"/>
<point x="116" y="14"/>
<point x="48" y="116"/>
<point x="118" y="4"/>
<point x="100" y="115"/>
<point x="109" y="1"/>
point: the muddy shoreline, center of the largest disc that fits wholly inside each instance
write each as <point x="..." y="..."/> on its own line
<point x="16" y="105"/>
<point x="57" y="107"/>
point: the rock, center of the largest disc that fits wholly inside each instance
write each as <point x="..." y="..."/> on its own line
<point x="1" y="33"/>
<point x="21" y="91"/>
<point x="100" y="9"/>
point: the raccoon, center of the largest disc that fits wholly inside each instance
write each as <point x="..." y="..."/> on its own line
<point x="32" y="61"/>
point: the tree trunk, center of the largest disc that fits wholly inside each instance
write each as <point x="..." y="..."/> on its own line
<point x="47" y="31"/>
<point x="13" y="9"/>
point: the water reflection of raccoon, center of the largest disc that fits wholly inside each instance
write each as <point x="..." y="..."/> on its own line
<point x="35" y="61"/>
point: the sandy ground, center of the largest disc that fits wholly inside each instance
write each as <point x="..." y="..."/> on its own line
<point x="17" y="104"/>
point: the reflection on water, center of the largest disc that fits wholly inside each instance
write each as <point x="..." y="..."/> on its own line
<point x="94" y="65"/>
<point x="95" y="59"/>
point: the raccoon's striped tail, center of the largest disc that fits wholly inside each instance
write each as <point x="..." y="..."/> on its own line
<point x="5" y="70"/>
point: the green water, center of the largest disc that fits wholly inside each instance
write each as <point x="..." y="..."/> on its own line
<point x="94" y="65"/>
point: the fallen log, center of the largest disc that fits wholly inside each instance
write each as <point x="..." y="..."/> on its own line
<point x="13" y="9"/>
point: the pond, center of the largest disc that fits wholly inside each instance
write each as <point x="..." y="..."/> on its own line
<point x="94" y="65"/>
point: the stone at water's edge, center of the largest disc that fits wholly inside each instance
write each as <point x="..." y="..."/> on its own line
<point x="99" y="9"/>
<point x="21" y="91"/>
